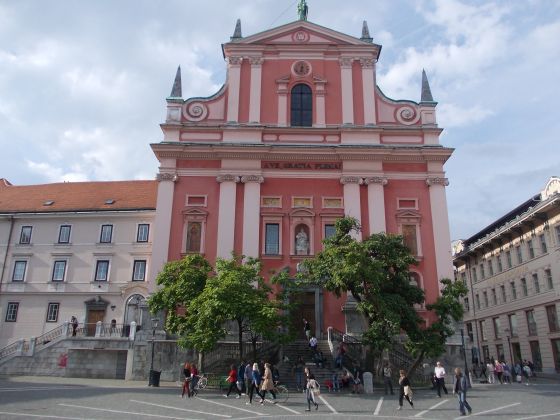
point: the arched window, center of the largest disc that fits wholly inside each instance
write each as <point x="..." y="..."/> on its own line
<point x="301" y="106"/>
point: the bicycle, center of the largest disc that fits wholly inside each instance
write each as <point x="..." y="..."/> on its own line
<point x="200" y="383"/>
<point x="282" y="393"/>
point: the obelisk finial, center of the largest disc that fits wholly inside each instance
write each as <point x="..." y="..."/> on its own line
<point x="302" y="10"/>
<point x="366" y="37"/>
<point x="426" y="95"/>
<point x="177" y="89"/>
<point x="237" y="31"/>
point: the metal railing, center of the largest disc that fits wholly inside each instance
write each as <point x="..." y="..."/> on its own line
<point x="10" y="349"/>
<point x="354" y="350"/>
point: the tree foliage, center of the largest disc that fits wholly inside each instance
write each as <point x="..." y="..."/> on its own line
<point x="200" y="303"/>
<point x="376" y="272"/>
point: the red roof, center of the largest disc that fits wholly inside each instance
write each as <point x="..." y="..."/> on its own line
<point x="78" y="196"/>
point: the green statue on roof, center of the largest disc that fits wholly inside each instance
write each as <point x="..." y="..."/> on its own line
<point x="302" y="10"/>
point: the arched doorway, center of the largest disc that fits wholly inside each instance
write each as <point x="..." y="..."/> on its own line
<point x="137" y="311"/>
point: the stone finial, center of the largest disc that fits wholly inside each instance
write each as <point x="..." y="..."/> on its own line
<point x="426" y="95"/>
<point x="365" y="33"/>
<point x="177" y="90"/>
<point x="237" y="31"/>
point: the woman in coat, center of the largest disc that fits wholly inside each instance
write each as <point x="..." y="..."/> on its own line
<point x="255" y="383"/>
<point x="405" y="390"/>
<point x="186" y="382"/>
<point x="267" y="384"/>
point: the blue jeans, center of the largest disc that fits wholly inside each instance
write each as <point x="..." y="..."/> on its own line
<point x="462" y="397"/>
<point x="299" y="379"/>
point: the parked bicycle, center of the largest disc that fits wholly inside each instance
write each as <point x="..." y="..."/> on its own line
<point x="282" y="393"/>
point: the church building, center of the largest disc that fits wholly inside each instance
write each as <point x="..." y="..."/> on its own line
<point x="298" y="136"/>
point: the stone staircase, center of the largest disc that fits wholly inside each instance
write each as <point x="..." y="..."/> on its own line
<point x="301" y="348"/>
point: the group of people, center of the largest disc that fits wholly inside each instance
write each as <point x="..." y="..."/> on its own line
<point x="191" y="378"/>
<point x="460" y="386"/>
<point x="495" y="371"/>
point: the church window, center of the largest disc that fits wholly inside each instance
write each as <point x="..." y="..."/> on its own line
<point x="410" y="238"/>
<point x="194" y="236"/>
<point x="301" y="106"/>
<point x="272" y="239"/>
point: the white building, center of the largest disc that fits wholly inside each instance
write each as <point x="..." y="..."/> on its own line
<point x="74" y="249"/>
<point x="512" y="270"/>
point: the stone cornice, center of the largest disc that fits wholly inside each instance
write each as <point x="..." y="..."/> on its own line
<point x="245" y="179"/>
<point x="351" y="180"/>
<point x="227" y="178"/>
<point x="166" y="177"/>
<point x="376" y="180"/>
<point x="437" y="181"/>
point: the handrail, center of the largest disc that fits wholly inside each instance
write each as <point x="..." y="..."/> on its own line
<point x="9" y="349"/>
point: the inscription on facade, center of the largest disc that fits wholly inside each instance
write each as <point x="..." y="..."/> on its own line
<point x="303" y="165"/>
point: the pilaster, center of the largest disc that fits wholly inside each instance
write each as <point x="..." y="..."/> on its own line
<point x="352" y="206"/>
<point x="226" y="214"/>
<point x="368" y="89"/>
<point x="347" y="94"/>
<point x="234" y="82"/>
<point x="376" y="203"/>
<point x="255" y="92"/>
<point x="251" y="214"/>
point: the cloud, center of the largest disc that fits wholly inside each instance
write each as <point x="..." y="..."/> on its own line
<point x="451" y="115"/>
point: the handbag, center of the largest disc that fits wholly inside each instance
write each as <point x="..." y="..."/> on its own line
<point x="408" y="391"/>
<point x="518" y="378"/>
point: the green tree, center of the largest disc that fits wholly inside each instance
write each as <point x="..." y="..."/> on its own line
<point x="376" y="272"/>
<point x="236" y="292"/>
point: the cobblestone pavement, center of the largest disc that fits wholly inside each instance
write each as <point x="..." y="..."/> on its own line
<point x="70" y="398"/>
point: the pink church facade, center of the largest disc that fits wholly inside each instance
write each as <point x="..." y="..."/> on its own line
<point x="298" y="136"/>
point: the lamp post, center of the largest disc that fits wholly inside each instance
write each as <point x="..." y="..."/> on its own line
<point x="151" y="380"/>
<point x="465" y="358"/>
<point x="507" y="331"/>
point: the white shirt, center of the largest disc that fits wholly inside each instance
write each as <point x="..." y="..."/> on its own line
<point x="313" y="342"/>
<point x="439" y="371"/>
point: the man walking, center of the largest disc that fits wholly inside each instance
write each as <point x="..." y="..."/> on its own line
<point x="439" y="373"/>
<point x="387" y="378"/>
<point x="460" y="389"/>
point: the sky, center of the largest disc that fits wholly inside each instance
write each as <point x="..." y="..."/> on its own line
<point x="83" y="83"/>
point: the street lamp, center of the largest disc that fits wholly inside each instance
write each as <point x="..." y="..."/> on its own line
<point x="507" y="331"/>
<point x="152" y="380"/>
<point x="465" y="358"/>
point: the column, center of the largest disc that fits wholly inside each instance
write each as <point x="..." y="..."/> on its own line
<point x="226" y="214"/>
<point x="255" y="92"/>
<point x="251" y="214"/>
<point x="440" y="223"/>
<point x="352" y="206"/>
<point x="162" y="225"/>
<point x="376" y="203"/>
<point x="234" y="82"/>
<point x="282" y="91"/>
<point x="368" y="89"/>
<point x="347" y="93"/>
<point x="320" y="120"/>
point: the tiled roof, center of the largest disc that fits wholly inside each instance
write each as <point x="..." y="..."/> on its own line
<point x="78" y="196"/>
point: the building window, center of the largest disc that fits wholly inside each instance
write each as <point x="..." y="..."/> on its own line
<point x="496" y="322"/>
<point x="482" y="334"/>
<point x="536" y="283"/>
<point x="274" y="202"/>
<point x="503" y="291"/>
<point x="531" y="324"/>
<point x="106" y="234"/>
<point x="143" y="232"/>
<point x="330" y="231"/>
<point x="470" y="332"/>
<point x="52" y="312"/>
<point x="19" y="270"/>
<point x="548" y="275"/>
<point x="410" y="238"/>
<point x="485" y="296"/>
<point x="500" y="351"/>
<point x="557" y="229"/>
<point x="512" y="319"/>
<point x="508" y="258"/>
<point x="485" y="353"/>
<point x="194" y="237"/>
<point x="552" y="315"/>
<point x="473" y="271"/>
<point x="11" y="312"/>
<point x="544" y="247"/>
<point x="464" y="277"/>
<point x="102" y="270"/>
<point x="139" y="270"/>
<point x="482" y="273"/>
<point x="519" y="254"/>
<point x="513" y="290"/>
<point x="25" y="236"/>
<point x="530" y="249"/>
<point x="196" y="200"/>
<point x="500" y="266"/>
<point x="466" y="304"/>
<point x="272" y="239"/>
<point x="477" y="298"/>
<point x="494" y="297"/>
<point x="59" y="270"/>
<point x="490" y="268"/>
<point x="64" y="234"/>
<point x="301" y="106"/>
<point x="524" y="287"/>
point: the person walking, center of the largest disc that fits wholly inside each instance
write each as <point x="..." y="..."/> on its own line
<point x="439" y="373"/>
<point x="186" y="382"/>
<point x="499" y="371"/>
<point x="460" y="389"/>
<point x="232" y="380"/>
<point x="255" y="383"/>
<point x="248" y="376"/>
<point x="298" y="370"/>
<point x="311" y="391"/>
<point x="387" y="382"/>
<point x="507" y="372"/>
<point x="526" y="372"/>
<point x="313" y="344"/>
<point x="194" y="379"/>
<point x="405" y="390"/>
<point x="267" y="384"/>
<point x="490" y="369"/>
<point x="306" y="329"/>
<point x="241" y="378"/>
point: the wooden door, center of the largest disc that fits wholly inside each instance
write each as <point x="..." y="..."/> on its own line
<point x="304" y="307"/>
<point x="94" y="315"/>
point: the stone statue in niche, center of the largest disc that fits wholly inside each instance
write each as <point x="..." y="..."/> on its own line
<point x="302" y="243"/>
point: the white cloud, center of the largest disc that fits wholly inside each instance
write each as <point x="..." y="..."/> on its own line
<point x="451" y="115"/>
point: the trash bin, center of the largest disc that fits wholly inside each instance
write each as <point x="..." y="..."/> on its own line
<point x="154" y="377"/>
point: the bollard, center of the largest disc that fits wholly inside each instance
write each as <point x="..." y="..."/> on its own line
<point x="368" y="382"/>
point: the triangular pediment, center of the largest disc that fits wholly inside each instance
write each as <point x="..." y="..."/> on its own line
<point x="408" y="214"/>
<point x="301" y="32"/>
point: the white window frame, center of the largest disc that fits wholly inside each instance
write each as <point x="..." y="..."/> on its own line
<point x="549" y="278"/>
<point x="101" y="234"/>
<point x="96" y="270"/>
<point x="203" y="196"/>
<point x="25" y="262"/>
<point x="340" y="206"/>
<point x="270" y="206"/>
<point x="415" y="207"/>
<point x="134" y="265"/>
<point x="544" y="245"/>
<point x="28" y="241"/>
<point x="142" y="225"/>
<point x="189" y="216"/>
<point x="59" y="241"/>
<point x="50" y="310"/>
<point x="536" y="283"/>
<point x="270" y="219"/>
<point x="12" y="310"/>
<point x="65" y="262"/>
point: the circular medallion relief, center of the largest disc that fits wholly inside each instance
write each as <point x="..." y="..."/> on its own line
<point x="300" y="36"/>
<point x="301" y="68"/>
<point x="195" y="111"/>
